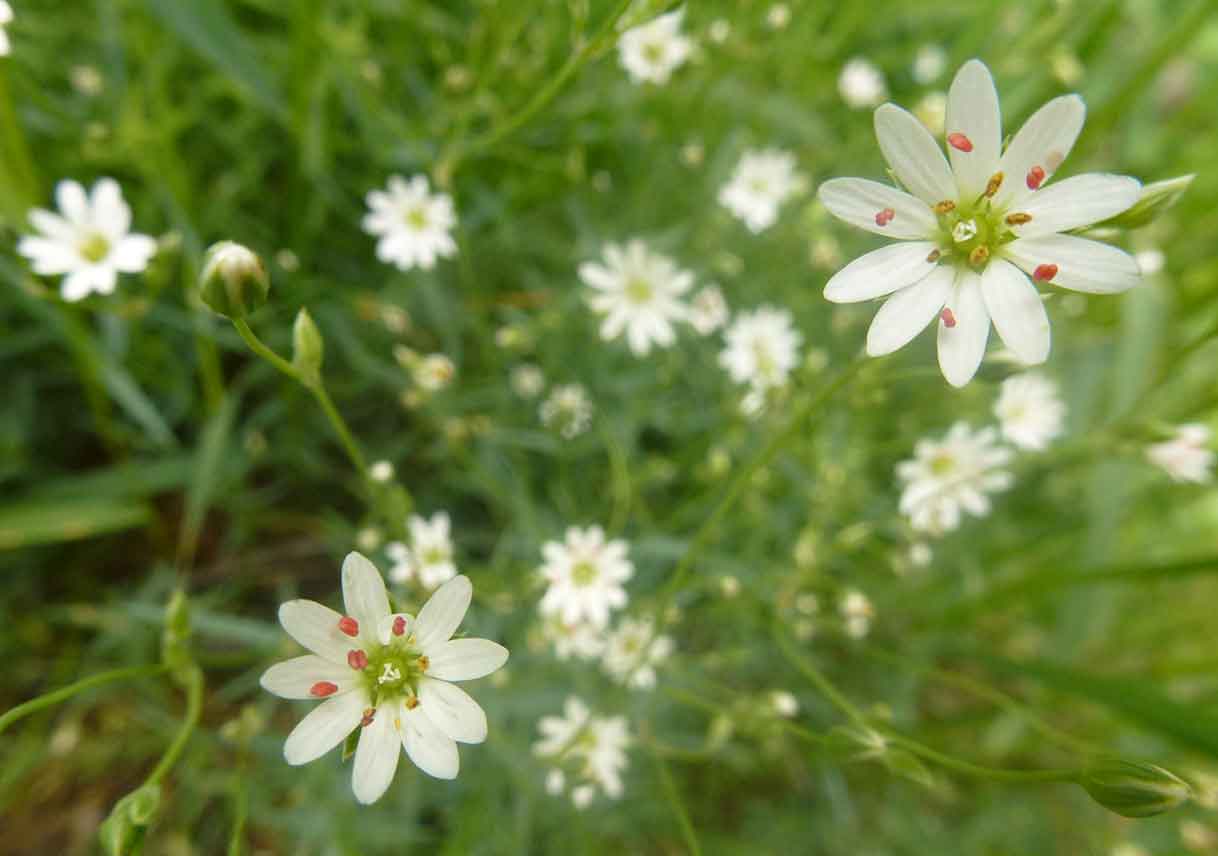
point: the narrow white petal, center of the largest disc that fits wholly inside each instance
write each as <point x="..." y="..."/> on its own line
<point x="859" y="202"/>
<point x="109" y="213"/>
<point x="972" y="110"/>
<point x="1077" y="201"/>
<point x="465" y="659"/>
<point x="904" y="315"/>
<point x="913" y="154"/>
<point x="442" y="614"/>
<point x="316" y="627"/>
<point x="325" y="727"/>
<point x="881" y="272"/>
<point x="131" y="254"/>
<point x="962" y="347"/>
<point x="452" y="710"/>
<point x="1082" y="264"/>
<point x="48" y="257"/>
<point x="72" y="201"/>
<point x="295" y="677"/>
<point x="1017" y="311"/>
<point x="376" y="756"/>
<point x="431" y="750"/>
<point x="364" y="595"/>
<point x="1044" y="141"/>
<point x="52" y="225"/>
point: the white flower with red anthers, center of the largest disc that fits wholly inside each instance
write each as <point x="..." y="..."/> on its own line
<point x="387" y="675"/>
<point x="1029" y="411"/>
<point x="762" y="181"/>
<point x="953" y="475"/>
<point x="977" y="237"/>
<point x="585" y="575"/>
<point x="429" y="558"/>
<point x="413" y="224"/>
<point x="90" y="241"/>
<point x="593" y="747"/>
<point x="633" y="651"/>
<point x="1187" y="456"/>
<point x="650" y="53"/>
<point x="639" y="293"/>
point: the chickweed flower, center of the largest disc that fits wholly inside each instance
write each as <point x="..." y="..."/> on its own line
<point x="633" y="651"/>
<point x="581" y="640"/>
<point x="429" y="558"/>
<point x="413" y="225"/>
<point x="567" y="410"/>
<point x="761" y="348"/>
<point x="386" y="676"/>
<point x="861" y="84"/>
<point x="708" y="310"/>
<point x="978" y="237"/>
<point x="89" y="242"/>
<point x="929" y="63"/>
<point x="1029" y="411"/>
<point x="593" y="748"/>
<point x="953" y="475"/>
<point x="1187" y="456"/>
<point x="762" y="181"/>
<point x="527" y="380"/>
<point x="639" y="293"/>
<point x="585" y="573"/>
<point x="650" y="53"/>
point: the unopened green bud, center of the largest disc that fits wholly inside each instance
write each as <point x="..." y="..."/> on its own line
<point x="234" y="282"/>
<point x="175" y="638"/>
<point x="307" y="347"/>
<point x="1155" y="199"/>
<point x="122" y="833"/>
<point x="1133" y="789"/>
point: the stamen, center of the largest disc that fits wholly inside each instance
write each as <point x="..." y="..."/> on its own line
<point x="883" y="218"/>
<point x="399" y="626"/>
<point x="1044" y="273"/>
<point x="389" y="674"/>
<point x="949" y="318"/>
<point x="412" y="702"/>
<point x="1036" y="175"/>
<point x="979" y="256"/>
<point x="995" y="182"/>
<point x="369" y="715"/>
<point x="321" y="689"/>
<point x="424" y="663"/>
<point x="945" y="206"/>
<point x="964" y="231"/>
<point x="1018" y="219"/>
<point x="934" y="256"/>
<point x="348" y="625"/>
<point x="959" y="142"/>
<point x="357" y="660"/>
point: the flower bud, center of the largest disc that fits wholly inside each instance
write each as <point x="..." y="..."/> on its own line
<point x="175" y="638"/>
<point x="234" y="282"/>
<point x="122" y="833"/>
<point x="307" y="347"/>
<point x="1156" y="198"/>
<point x="1133" y="789"/>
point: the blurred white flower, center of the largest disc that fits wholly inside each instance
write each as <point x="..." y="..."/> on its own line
<point x="763" y="180"/>
<point x="585" y="575"/>
<point x="1029" y="410"/>
<point x="386" y="675"/>
<point x="861" y="84"/>
<point x="719" y="31"/>
<point x="920" y="554"/>
<point x="651" y="52"/>
<point x="581" y="640"/>
<point x="429" y="557"/>
<point x="89" y="241"/>
<point x="380" y="471"/>
<point x="1150" y="262"/>
<point x="778" y="16"/>
<point x="784" y="703"/>
<point x="633" y="651"/>
<point x="953" y="475"/>
<point x="527" y="380"/>
<point x="592" y="748"/>
<point x="6" y="18"/>
<point x="568" y="410"/>
<point x="1128" y="848"/>
<point x="556" y="782"/>
<point x="708" y="310"/>
<point x="413" y="225"/>
<point x="761" y="348"/>
<point x="929" y="63"/>
<point x="857" y="612"/>
<point x="639" y="293"/>
<point x="931" y="110"/>
<point x="1187" y="456"/>
<point x="86" y="79"/>
<point x="977" y="238"/>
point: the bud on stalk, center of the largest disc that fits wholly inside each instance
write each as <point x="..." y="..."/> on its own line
<point x="234" y="282"/>
<point x="307" y="347"/>
<point x="1133" y="789"/>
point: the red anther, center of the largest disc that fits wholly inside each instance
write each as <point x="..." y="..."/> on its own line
<point x="399" y="626"/>
<point x="1044" y="273"/>
<point x="1036" y="175"/>
<point x="883" y="218"/>
<point x="960" y="142"/>
<point x="949" y="318"/>
<point x="321" y="689"/>
<point x="357" y="659"/>
<point x="348" y="625"/>
<point x="369" y="715"/>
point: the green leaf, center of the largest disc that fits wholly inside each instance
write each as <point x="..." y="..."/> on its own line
<point x="27" y="524"/>
<point x="208" y="467"/>
<point x="127" y="393"/>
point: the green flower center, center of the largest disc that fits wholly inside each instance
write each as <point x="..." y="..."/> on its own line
<point x="653" y="52"/>
<point x="435" y="556"/>
<point x="583" y="574"/>
<point x="416" y="218"/>
<point x="93" y="248"/>
<point x="394" y="670"/>
<point x="942" y="464"/>
<point x="972" y="233"/>
<point x="639" y="290"/>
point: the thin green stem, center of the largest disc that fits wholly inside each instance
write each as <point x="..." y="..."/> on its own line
<point x="194" y="706"/>
<point x="64" y="693"/>
<point x="677" y="805"/>
<point x="240" y="812"/>
<point x="256" y="345"/>
<point x="823" y="684"/>
<point x="977" y="771"/>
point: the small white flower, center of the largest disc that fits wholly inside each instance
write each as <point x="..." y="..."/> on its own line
<point x="929" y="63"/>
<point x="784" y="703"/>
<point x="567" y="410"/>
<point x="433" y="372"/>
<point x="592" y="748"/>
<point x="633" y="651"/>
<point x="86" y="79"/>
<point x="708" y="310"/>
<point x="719" y="31"/>
<point x="931" y="111"/>
<point x="429" y="558"/>
<point x="778" y="16"/>
<point x="976" y="238"/>
<point x="559" y="734"/>
<point x="6" y="18"/>
<point x="639" y="293"/>
<point x="1029" y="411"/>
<point x="381" y="471"/>
<point x="761" y="348"/>
<point x="527" y="380"/>
<point x="388" y="675"/>
<point x="861" y="84"/>
<point x="762" y="181"/>
<point x="950" y="476"/>
<point x="1150" y="262"/>
<point x="583" y="795"/>
<point x="1186" y="457"/>
<point x="729" y="586"/>
<point x="582" y="640"/>
<point x="920" y="554"/>
<point x="412" y="224"/>
<point x="556" y="782"/>
<point x="90" y="241"/>
<point x="650" y="53"/>
<point x="856" y="610"/>
<point x="585" y="575"/>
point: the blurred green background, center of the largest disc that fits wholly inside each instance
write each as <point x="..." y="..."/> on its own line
<point x="142" y="445"/>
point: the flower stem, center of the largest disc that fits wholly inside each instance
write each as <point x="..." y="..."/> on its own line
<point x="64" y="693"/>
<point x="823" y="684"/>
<point x="996" y="774"/>
<point x="194" y="706"/>
<point x="678" y="807"/>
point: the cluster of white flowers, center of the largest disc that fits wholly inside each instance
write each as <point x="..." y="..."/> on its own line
<point x="651" y="52"/>
<point x="762" y="181"/>
<point x="589" y="749"/>
<point x="1187" y="456"/>
<point x="761" y="348"/>
<point x="428" y="559"/>
<point x="567" y="410"/>
<point x="413" y="225"/>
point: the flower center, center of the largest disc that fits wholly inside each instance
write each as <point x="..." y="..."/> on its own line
<point x="94" y="247"/>
<point x="393" y="670"/>
<point x="942" y="464"/>
<point x="584" y="574"/>
<point x="416" y="218"/>
<point x="653" y="52"/>
<point x="639" y="290"/>
<point x="435" y="556"/>
<point x="974" y="232"/>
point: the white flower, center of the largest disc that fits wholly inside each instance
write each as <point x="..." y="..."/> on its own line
<point x="90" y="240"/>
<point x="1029" y="411"/>
<point x="778" y="16"/>
<point x="567" y="410"/>
<point x="581" y="640"/>
<point x="429" y="558"/>
<point x="650" y="53"/>
<point x="953" y="475"/>
<point x="931" y="110"/>
<point x="856" y="610"/>
<point x="556" y="782"/>
<point x="593" y="747"/>
<point x="929" y="63"/>
<point x="784" y="703"/>
<point x="708" y="310"/>
<point x="633" y="651"/>
<point x="762" y="182"/>
<point x="559" y="733"/>
<point x="920" y="554"/>
<point x="527" y="380"/>
<point x="976" y="238"/>
<point x="1150" y="262"/>
<point x="761" y="348"/>
<point x="585" y="576"/>
<point x="413" y="224"/>
<point x="861" y="84"/>
<point x="638" y="292"/>
<point x="6" y="18"/>
<point x="1186" y="457"/>
<point x="719" y="31"/>
<point x="386" y="674"/>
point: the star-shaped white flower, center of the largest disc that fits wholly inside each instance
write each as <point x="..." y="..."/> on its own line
<point x="585" y="575"/>
<point x="1029" y="411"/>
<point x="89" y="241"/>
<point x="761" y="348"/>
<point x="651" y="52"/>
<point x="762" y="181"/>
<point x="414" y="225"/>
<point x="954" y="475"/>
<point x="388" y="675"/>
<point x="632" y="652"/>
<point x="429" y="558"/>
<point x="639" y="292"/>
<point x="978" y="236"/>
<point x="1186" y="457"/>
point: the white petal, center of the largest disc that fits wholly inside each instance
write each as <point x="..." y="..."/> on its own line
<point x="1044" y="141"/>
<point x="881" y="272"/>
<point x="465" y="659"/>
<point x="962" y="347"/>
<point x="109" y="213"/>
<point x="1077" y="201"/>
<point x="1082" y="264"/>
<point x="858" y="202"/>
<point x="913" y="154"/>
<point x="904" y="315"/>
<point x="294" y="678"/>
<point x="325" y="727"/>
<point x="364" y="595"/>
<point x="72" y="201"/>
<point x="972" y="110"/>
<point x="1017" y="311"/>
<point x="84" y="281"/>
<point x="452" y="710"/>
<point x="442" y="614"/>
<point x="48" y="257"/>
<point x="131" y="254"/>
<point x="431" y="750"/>
<point x="376" y="756"/>
<point x="52" y="225"/>
<point x="316" y="627"/>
